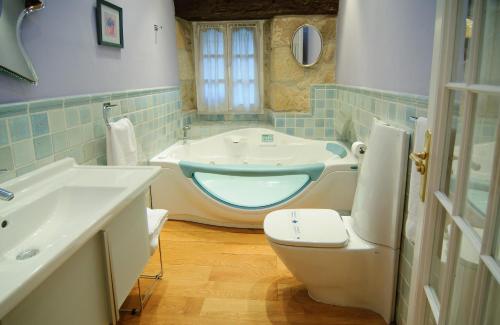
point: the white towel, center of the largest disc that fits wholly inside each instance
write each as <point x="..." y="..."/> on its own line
<point x="414" y="203"/>
<point x="156" y="220"/>
<point x="121" y="146"/>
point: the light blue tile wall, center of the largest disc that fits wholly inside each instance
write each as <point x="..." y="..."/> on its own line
<point x="316" y="124"/>
<point x="355" y="109"/>
<point x="337" y="112"/>
<point x="37" y="133"/>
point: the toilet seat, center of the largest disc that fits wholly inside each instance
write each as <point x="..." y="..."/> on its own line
<point x="306" y="228"/>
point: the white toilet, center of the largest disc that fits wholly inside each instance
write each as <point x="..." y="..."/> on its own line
<point x="351" y="260"/>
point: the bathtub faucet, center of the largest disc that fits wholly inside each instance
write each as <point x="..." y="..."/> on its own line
<point x="185" y="130"/>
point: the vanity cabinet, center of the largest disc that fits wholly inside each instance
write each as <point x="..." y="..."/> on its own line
<point x="127" y="248"/>
<point x="90" y="286"/>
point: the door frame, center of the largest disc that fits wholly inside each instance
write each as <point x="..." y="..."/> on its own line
<point x="438" y="113"/>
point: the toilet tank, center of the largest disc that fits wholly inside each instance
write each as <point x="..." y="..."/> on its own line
<point x="378" y="206"/>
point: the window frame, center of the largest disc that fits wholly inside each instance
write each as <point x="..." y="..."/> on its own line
<point x="227" y="28"/>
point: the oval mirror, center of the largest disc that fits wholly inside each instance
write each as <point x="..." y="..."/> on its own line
<point x="307" y="45"/>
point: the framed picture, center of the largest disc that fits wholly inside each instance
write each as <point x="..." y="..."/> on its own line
<point x="109" y="24"/>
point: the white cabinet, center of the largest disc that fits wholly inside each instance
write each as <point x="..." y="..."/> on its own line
<point x="128" y="248"/>
<point x="82" y="290"/>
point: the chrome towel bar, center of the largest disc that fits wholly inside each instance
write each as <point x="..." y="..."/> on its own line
<point x="106" y="108"/>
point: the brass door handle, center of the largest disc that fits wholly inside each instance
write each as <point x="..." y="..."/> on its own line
<point x="421" y="160"/>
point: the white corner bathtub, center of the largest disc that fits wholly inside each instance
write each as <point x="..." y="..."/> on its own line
<point x="236" y="178"/>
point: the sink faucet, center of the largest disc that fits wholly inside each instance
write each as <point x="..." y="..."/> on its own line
<point x="5" y="194"/>
<point x="185" y="130"/>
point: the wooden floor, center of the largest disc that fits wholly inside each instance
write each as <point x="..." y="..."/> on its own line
<point x="220" y="275"/>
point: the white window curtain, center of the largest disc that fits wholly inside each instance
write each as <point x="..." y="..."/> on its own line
<point x="212" y="69"/>
<point x="228" y="67"/>
<point x="244" y="69"/>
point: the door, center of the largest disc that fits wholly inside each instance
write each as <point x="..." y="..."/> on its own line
<point x="456" y="270"/>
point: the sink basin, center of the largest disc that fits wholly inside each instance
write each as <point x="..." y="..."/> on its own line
<point x="50" y="218"/>
<point x="56" y="210"/>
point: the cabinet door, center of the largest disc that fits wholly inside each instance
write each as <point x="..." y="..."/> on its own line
<point x="76" y="293"/>
<point x="128" y="244"/>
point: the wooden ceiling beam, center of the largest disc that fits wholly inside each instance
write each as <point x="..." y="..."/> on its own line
<point x="207" y="10"/>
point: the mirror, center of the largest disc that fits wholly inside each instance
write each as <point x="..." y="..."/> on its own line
<point x="307" y="45"/>
<point x="13" y="57"/>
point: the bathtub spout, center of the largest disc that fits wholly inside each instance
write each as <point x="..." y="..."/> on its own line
<point x="185" y="130"/>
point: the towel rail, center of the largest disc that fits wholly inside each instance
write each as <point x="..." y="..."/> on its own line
<point x="106" y="108"/>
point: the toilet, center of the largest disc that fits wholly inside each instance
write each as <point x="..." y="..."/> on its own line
<point x="351" y="260"/>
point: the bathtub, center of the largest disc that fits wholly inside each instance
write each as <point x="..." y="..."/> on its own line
<point x="236" y="178"/>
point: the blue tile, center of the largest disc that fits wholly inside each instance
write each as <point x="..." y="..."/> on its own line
<point x="19" y="128"/>
<point x="76" y="101"/>
<point x="13" y="110"/>
<point x="328" y="132"/>
<point x="24" y="153"/>
<point x="45" y="105"/>
<point x="299" y="122"/>
<point x="72" y="117"/>
<point x="119" y="95"/>
<point x="25" y="169"/>
<point x="319" y="104"/>
<point x="330" y="93"/>
<point x="290" y="131"/>
<point x="100" y="131"/>
<point x="85" y="116"/>
<point x="319" y="123"/>
<point x="410" y="112"/>
<point x="59" y="141"/>
<point x="309" y="132"/>
<point x="39" y="124"/>
<point x="6" y="160"/>
<point x="101" y="98"/>
<point x="392" y="111"/>
<point x="4" y="135"/>
<point x="43" y="147"/>
<point x="280" y="123"/>
<point x="290" y="122"/>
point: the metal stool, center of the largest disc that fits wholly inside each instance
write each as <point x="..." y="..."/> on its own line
<point x="143" y="299"/>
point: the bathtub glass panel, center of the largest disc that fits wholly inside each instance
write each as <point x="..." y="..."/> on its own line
<point x="251" y="192"/>
<point x="454" y="138"/>
<point x="482" y="162"/>
<point x="463" y="283"/>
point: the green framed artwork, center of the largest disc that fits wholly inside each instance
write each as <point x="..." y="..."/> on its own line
<point x="109" y="19"/>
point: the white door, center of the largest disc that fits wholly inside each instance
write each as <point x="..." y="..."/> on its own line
<point x="456" y="270"/>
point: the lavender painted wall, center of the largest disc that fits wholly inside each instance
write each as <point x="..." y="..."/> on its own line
<point x="62" y="41"/>
<point x="385" y="44"/>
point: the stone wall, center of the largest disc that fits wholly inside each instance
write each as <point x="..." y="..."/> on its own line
<point x="185" y="57"/>
<point x="286" y="83"/>
<point x="287" y="88"/>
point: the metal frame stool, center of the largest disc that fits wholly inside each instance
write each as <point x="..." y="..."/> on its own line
<point x="143" y="299"/>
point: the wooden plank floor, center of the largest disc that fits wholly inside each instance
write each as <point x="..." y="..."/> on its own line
<point x="220" y="275"/>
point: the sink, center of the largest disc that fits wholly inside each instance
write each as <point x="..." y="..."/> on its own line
<point x="56" y="210"/>
<point x="50" y="218"/>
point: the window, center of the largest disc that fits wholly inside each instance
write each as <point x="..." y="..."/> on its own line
<point x="229" y="67"/>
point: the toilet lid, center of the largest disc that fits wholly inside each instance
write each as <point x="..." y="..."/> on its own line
<point x="306" y="228"/>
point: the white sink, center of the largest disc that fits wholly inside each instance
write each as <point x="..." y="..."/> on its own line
<point x="56" y="209"/>
<point x="50" y="218"/>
